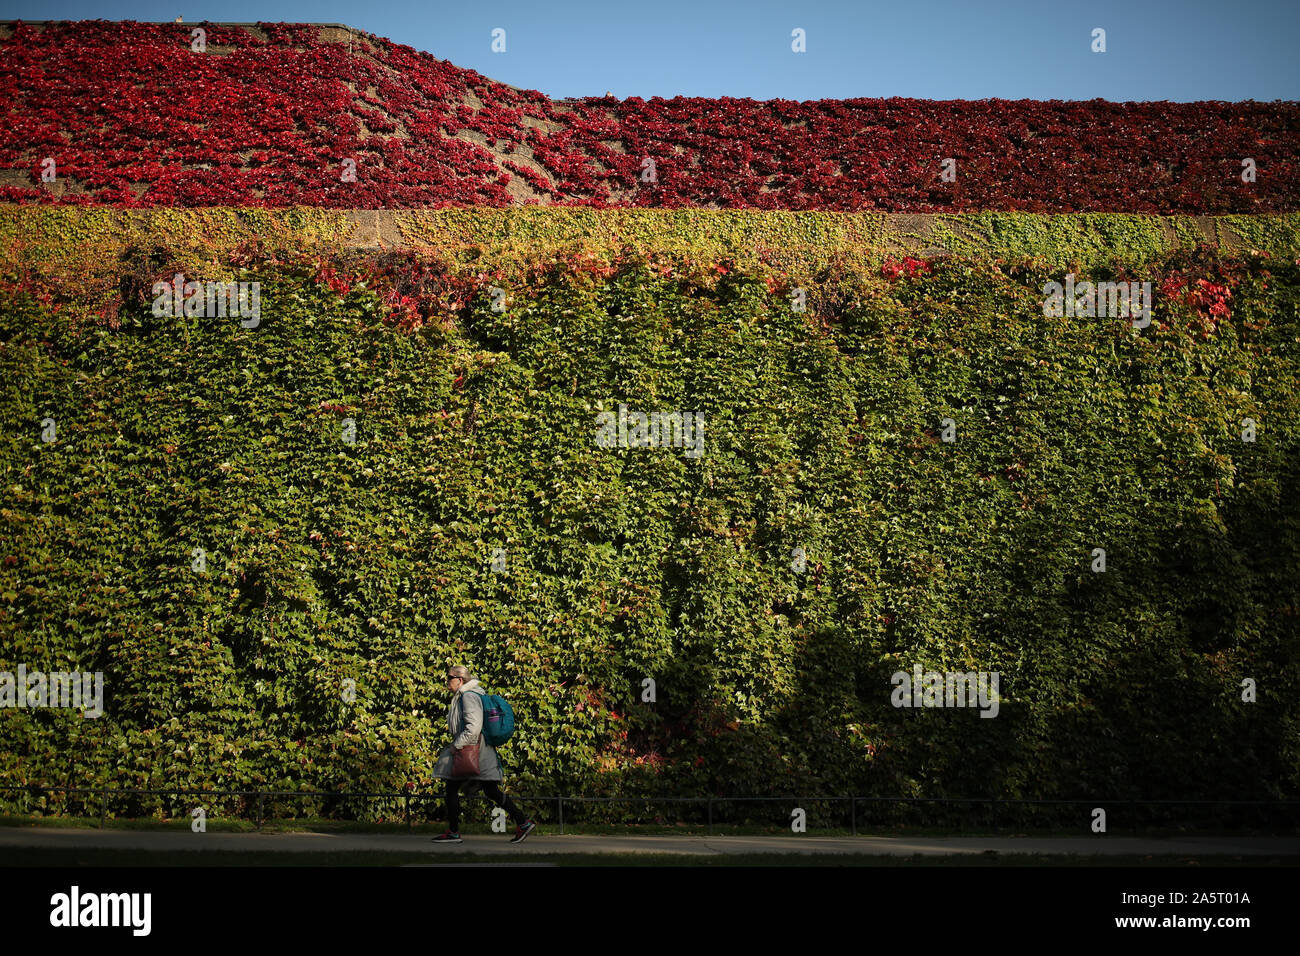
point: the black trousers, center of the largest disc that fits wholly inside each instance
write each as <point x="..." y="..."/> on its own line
<point x="494" y="793"/>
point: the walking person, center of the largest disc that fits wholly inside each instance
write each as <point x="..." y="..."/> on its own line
<point x="465" y="721"/>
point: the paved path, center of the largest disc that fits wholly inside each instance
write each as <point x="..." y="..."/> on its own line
<point x="542" y="843"/>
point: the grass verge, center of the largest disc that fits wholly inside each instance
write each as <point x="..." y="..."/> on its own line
<point x="36" y="857"/>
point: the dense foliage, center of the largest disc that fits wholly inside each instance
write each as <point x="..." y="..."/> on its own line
<point x="266" y="116"/>
<point x="475" y="430"/>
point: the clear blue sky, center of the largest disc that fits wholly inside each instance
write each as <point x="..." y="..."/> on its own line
<point x="1179" y="50"/>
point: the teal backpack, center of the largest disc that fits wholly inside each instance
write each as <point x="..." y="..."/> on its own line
<point x="498" y="719"/>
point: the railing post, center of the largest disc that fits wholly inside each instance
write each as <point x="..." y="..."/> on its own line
<point x="408" y="810"/>
<point x="853" y="813"/>
<point x="710" y="816"/>
<point x="103" y="806"/>
<point x="260" y="797"/>
<point x="561" y="799"/>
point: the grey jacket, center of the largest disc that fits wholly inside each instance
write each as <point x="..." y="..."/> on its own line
<point x="464" y="732"/>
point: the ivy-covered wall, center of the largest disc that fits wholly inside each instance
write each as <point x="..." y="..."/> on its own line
<point x="273" y="540"/>
<point x="507" y="236"/>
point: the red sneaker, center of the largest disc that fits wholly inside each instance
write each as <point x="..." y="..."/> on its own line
<point x="521" y="833"/>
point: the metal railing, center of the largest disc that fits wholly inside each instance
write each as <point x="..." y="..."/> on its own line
<point x="997" y="810"/>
